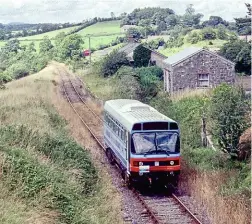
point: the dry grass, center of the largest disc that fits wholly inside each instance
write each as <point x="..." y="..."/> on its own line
<point x="204" y="187"/>
<point x="107" y="205"/>
<point x="190" y="93"/>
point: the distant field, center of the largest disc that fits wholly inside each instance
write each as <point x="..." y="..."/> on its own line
<point x="51" y="34"/>
<point x="101" y="28"/>
<point x="216" y="45"/>
<point x="2" y="43"/>
<point x="108" y="27"/>
<point x="97" y="41"/>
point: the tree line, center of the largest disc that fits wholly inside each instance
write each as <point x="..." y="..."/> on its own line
<point x="9" y="31"/>
<point x="17" y="61"/>
<point x="156" y="20"/>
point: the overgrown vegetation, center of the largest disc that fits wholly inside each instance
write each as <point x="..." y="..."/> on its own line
<point x="229" y="108"/>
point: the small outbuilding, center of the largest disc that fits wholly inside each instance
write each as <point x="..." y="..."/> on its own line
<point x="195" y="68"/>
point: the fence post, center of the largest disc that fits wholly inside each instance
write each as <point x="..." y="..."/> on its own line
<point x="203" y="133"/>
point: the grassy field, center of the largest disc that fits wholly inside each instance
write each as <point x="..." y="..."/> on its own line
<point x="101" y="28"/>
<point x="215" y="46"/>
<point x="104" y="31"/>
<point x="50" y="34"/>
<point x="48" y="177"/>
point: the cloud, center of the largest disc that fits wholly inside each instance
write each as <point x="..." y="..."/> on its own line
<point x="35" y="11"/>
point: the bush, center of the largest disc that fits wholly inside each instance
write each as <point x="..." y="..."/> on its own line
<point x="193" y="37"/>
<point x="228" y="110"/>
<point x="17" y="70"/>
<point x="129" y="87"/>
<point x="208" y="33"/>
<point x="112" y="62"/>
<point x="149" y="81"/>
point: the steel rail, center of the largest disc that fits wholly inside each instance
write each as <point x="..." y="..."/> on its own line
<point x="148" y="209"/>
<point x="185" y="207"/>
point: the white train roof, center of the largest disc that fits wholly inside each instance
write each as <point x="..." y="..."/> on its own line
<point x="128" y="112"/>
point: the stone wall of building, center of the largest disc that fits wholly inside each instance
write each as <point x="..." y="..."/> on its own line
<point x="185" y="74"/>
<point x="158" y="59"/>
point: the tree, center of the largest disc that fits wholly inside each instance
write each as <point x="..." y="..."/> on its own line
<point x="190" y="19"/>
<point x="112" y="14"/>
<point x="31" y="47"/>
<point x="134" y="32"/>
<point x="239" y="52"/>
<point x="45" y="45"/>
<point x="243" y="60"/>
<point x="70" y="43"/>
<point x="171" y="20"/>
<point x="193" y="37"/>
<point x="208" y="33"/>
<point x="221" y="32"/>
<point x="12" y="46"/>
<point x="141" y="56"/>
<point x="228" y="110"/>
<point x="112" y="62"/>
<point x="161" y="27"/>
<point x="249" y="8"/>
<point x="244" y="24"/>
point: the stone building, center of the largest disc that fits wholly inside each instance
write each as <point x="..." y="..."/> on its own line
<point x="195" y="68"/>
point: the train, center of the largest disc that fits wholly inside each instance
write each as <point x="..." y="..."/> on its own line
<point x="142" y="142"/>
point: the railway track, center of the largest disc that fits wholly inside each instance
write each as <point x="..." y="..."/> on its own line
<point x="160" y="209"/>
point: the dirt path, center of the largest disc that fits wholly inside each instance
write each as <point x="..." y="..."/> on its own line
<point x="122" y="204"/>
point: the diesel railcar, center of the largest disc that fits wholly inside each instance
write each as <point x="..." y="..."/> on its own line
<point x="144" y="143"/>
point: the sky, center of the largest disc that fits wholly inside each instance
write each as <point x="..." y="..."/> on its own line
<point x="60" y="11"/>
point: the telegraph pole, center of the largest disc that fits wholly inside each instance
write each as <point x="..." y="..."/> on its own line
<point x="89" y="49"/>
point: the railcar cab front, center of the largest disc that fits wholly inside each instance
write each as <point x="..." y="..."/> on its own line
<point x="155" y="151"/>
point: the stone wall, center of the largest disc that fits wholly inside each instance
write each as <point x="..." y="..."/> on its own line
<point x="185" y="74"/>
<point x="158" y="58"/>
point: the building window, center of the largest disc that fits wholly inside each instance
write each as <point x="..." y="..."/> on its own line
<point x="203" y="80"/>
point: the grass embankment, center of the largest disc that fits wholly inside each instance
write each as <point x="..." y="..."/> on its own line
<point x="45" y="176"/>
<point x="215" y="181"/>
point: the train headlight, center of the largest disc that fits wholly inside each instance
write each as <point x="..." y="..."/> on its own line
<point x="140" y="163"/>
<point x="172" y="162"/>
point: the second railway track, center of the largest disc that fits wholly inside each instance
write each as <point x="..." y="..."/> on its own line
<point x="160" y="209"/>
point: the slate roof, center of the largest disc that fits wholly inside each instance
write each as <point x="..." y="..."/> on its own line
<point x="188" y="52"/>
<point x="129" y="49"/>
<point x="174" y="59"/>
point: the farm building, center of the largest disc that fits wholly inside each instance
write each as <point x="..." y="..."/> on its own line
<point x="195" y="68"/>
<point x="129" y="50"/>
